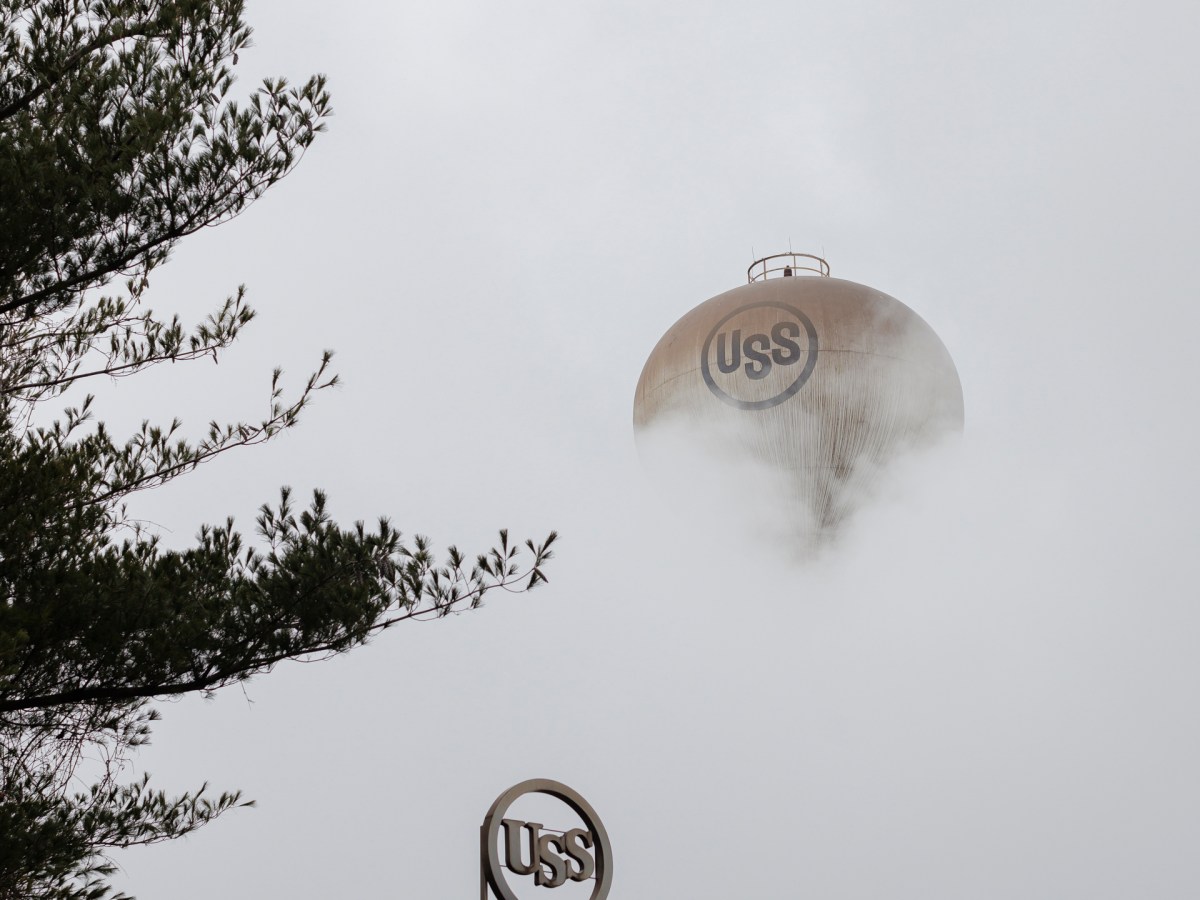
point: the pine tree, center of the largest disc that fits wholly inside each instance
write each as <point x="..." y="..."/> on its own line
<point x="117" y="140"/>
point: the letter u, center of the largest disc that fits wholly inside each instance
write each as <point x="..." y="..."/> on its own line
<point x="729" y="365"/>
<point x="512" y="845"/>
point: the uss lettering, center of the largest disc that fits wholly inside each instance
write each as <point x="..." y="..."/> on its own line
<point x="761" y="351"/>
<point x="553" y="858"/>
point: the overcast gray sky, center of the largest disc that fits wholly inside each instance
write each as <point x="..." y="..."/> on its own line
<point x="988" y="691"/>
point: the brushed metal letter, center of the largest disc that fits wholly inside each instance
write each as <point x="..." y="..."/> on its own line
<point x="550" y="859"/>
<point x="512" y="846"/>
<point x="576" y="843"/>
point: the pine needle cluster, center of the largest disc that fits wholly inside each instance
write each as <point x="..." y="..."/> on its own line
<point x="117" y="140"/>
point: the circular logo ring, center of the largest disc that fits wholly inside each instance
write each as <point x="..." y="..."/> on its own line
<point x="791" y="389"/>
<point x="491" y="834"/>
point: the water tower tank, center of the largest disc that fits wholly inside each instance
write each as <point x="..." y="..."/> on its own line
<point x="821" y="378"/>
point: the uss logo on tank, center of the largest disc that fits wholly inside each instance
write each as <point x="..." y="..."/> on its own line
<point x="759" y="355"/>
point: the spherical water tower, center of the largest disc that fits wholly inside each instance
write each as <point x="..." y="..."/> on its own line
<point x="820" y="378"/>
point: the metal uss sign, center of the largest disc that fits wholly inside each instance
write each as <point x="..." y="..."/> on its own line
<point x="553" y="858"/>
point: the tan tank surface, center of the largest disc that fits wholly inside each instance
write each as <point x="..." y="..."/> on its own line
<point x="818" y="377"/>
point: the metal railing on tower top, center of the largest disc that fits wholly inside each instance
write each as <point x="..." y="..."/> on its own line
<point x="784" y="265"/>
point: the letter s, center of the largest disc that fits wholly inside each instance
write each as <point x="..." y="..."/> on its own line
<point x="576" y="844"/>
<point x="763" y="369"/>
<point x="793" y="349"/>
<point x="556" y="864"/>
